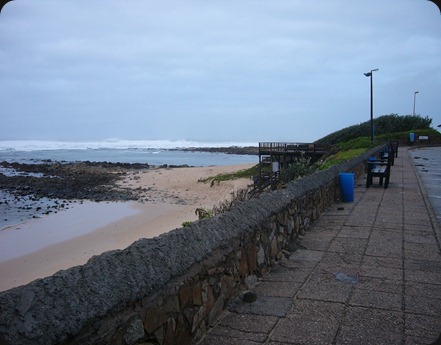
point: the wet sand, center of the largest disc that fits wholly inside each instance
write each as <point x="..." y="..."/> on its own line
<point x="41" y="247"/>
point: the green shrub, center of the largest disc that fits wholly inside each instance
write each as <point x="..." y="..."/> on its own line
<point x="297" y="169"/>
<point x="404" y="136"/>
<point x="392" y="123"/>
<point x="203" y="213"/>
<point x="358" y="143"/>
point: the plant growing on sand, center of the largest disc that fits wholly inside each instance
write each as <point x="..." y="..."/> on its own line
<point x="224" y="206"/>
<point x="246" y="173"/>
<point x="203" y="213"/>
<point x="236" y="197"/>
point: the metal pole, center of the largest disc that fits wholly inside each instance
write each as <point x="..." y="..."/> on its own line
<point x="369" y="74"/>
<point x="414" y="101"/>
<point x="372" y="111"/>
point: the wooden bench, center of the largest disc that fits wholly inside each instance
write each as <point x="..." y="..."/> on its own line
<point x="387" y="154"/>
<point x="379" y="169"/>
<point x="394" y="147"/>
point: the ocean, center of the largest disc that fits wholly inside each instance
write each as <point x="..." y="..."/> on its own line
<point x="153" y="152"/>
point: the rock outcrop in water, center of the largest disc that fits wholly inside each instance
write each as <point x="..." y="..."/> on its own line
<point x="82" y="180"/>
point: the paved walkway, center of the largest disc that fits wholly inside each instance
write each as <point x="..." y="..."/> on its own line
<point x="367" y="274"/>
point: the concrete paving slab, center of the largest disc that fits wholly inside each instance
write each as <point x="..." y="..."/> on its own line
<point x="421" y="329"/>
<point x="324" y="230"/>
<point x="264" y="305"/>
<point x="423" y="238"/>
<point x="354" y="232"/>
<point x="417" y="229"/>
<point x="422" y="265"/>
<point x="422" y="289"/>
<point x="348" y="245"/>
<point x="235" y="339"/>
<point x="325" y="287"/>
<point x="361" y="220"/>
<point x="277" y="289"/>
<point x="382" y="262"/>
<point x="314" y="310"/>
<point x="383" y="249"/>
<point x="376" y="299"/>
<point x="316" y="243"/>
<point x="286" y="274"/>
<point x="379" y="284"/>
<point x="223" y="335"/>
<point x="381" y="272"/>
<point x="249" y="323"/>
<point x="422" y="277"/>
<point x="332" y="260"/>
<point x="311" y="332"/>
<point x="306" y="255"/>
<point x="422" y="305"/>
<point x="371" y="321"/>
<point x="367" y="336"/>
<point x="420" y="251"/>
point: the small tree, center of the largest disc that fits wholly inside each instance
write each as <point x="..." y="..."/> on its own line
<point x="299" y="168"/>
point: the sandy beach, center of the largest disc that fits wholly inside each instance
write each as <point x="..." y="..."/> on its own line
<point x="40" y="247"/>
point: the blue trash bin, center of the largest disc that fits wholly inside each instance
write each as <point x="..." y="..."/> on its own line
<point x="347" y="182"/>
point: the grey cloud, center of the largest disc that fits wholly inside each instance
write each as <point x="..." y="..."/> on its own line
<point x="176" y="70"/>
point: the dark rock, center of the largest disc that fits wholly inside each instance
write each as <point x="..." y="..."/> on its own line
<point x="249" y="297"/>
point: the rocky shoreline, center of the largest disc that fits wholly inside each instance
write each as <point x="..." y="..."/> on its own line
<point x="32" y="190"/>
<point x="81" y="180"/>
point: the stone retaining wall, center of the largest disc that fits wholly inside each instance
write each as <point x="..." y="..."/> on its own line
<point x="169" y="289"/>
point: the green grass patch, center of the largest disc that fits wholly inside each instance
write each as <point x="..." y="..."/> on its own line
<point x="341" y="157"/>
<point x="355" y="144"/>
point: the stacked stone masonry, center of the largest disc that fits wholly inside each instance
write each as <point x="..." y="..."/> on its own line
<point x="170" y="289"/>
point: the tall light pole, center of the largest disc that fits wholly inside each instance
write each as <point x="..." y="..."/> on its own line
<point x="414" y="101"/>
<point x="369" y="74"/>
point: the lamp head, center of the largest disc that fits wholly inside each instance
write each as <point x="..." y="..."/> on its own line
<point x="368" y="74"/>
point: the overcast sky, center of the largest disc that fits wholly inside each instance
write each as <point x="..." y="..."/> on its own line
<point x="242" y="70"/>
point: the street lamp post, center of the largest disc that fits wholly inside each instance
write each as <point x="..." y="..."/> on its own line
<point x="369" y="74"/>
<point x="414" y="101"/>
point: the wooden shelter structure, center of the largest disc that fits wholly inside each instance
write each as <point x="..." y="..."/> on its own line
<point x="279" y="155"/>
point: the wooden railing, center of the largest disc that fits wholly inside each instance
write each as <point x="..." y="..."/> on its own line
<point x="272" y="148"/>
